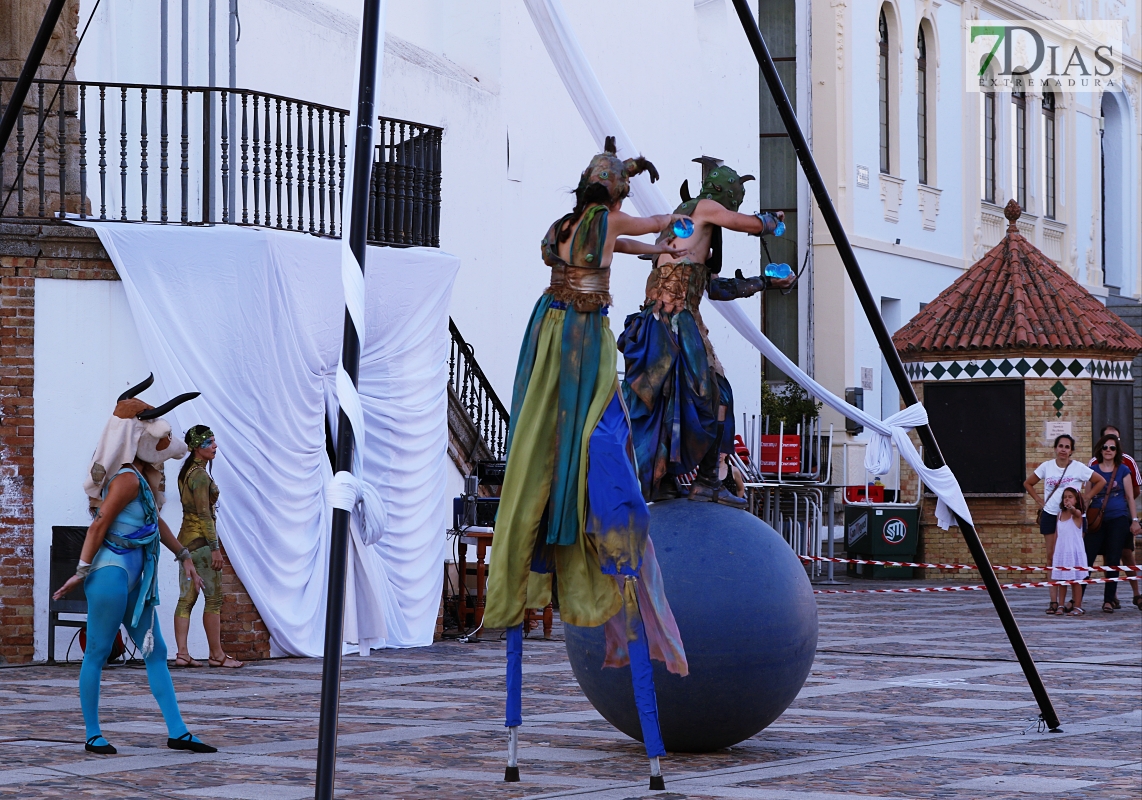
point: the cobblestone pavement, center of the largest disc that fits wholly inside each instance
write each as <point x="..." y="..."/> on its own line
<point x="911" y="696"/>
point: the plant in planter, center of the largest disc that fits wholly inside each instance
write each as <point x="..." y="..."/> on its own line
<point x="788" y="403"/>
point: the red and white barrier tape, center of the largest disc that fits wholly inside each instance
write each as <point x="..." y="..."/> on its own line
<point x="996" y="567"/>
<point x="974" y="588"/>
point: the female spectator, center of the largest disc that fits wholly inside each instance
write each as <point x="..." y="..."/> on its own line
<point x="199" y="494"/>
<point x="1069" y="552"/>
<point x="1119" y="516"/>
<point x="1057" y="475"/>
<point x="1127" y="551"/>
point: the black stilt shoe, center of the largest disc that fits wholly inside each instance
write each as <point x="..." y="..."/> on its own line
<point x="101" y="749"/>
<point x="187" y="742"/>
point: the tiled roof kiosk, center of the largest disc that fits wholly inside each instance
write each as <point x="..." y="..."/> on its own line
<point x="1009" y="356"/>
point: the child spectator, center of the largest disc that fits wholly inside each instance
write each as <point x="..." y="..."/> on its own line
<point x="1069" y="552"/>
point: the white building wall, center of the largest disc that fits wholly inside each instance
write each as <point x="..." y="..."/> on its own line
<point x="478" y="69"/>
<point x="926" y="261"/>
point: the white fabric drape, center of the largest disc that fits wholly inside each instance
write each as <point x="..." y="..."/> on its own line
<point x="601" y="120"/>
<point x="885" y="434"/>
<point x="253" y="319"/>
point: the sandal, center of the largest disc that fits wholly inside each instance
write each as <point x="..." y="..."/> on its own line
<point x="1077" y="611"/>
<point x="1053" y="608"/>
<point x="104" y="749"/>
<point x="1062" y="611"/>
<point x="188" y="742"/>
<point x="181" y="660"/>
<point x="1137" y="601"/>
<point x="1069" y="607"/>
<point x="226" y="661"/>
<point x="1108" y="607"/>
<point x="1115" y="603"/>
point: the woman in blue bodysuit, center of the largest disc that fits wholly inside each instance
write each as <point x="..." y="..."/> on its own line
<point x="118" y="565"/>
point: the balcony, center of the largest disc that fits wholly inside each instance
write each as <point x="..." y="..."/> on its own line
<point x="195" y="155"/>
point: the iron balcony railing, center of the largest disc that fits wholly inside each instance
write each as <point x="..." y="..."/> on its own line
<point x="89" y="150"/>
<point x="476" y="394"/>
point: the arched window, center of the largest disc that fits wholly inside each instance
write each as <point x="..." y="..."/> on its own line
<point x="989" y="130"/>
<point x="1019" y="147"/>
<point x="1118" y="202"/>
<point x="922" y="105"/>
<point x="1049" y="154"/>
<point x="885" y="154"/>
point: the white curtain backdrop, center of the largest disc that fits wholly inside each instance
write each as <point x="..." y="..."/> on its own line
<point x="253" y="319"/>
<point x="601" y="120"/>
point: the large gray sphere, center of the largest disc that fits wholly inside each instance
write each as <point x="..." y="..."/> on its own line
<point x="748" y="620"/>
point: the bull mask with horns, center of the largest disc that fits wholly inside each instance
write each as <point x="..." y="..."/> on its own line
<point x="136" y="430"/>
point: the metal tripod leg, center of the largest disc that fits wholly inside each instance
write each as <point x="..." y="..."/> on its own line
<point x="887" y="349"/>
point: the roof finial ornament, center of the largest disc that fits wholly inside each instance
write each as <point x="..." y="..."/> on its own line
<point x="1012" y="211"/>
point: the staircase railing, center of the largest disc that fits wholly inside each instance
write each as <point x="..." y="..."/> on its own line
<point x="476" y="394"/>
<point x="208" y="155"/>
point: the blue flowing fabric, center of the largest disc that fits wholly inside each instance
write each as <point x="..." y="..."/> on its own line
<point x="645" y="699"/>
<point x="513" y="716"/>
<point x="619" y="523"/>
<point x="617" y="517"/>
<point x="673" y="395"/>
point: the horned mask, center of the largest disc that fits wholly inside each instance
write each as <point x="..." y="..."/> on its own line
<point x="613" y="173"/>
<point x="723" y="185"/>
<point x="136" y="429"/>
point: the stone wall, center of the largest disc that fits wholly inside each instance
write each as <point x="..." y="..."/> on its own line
<point x="1006" y="525"/>
<point x="62" y="252"/>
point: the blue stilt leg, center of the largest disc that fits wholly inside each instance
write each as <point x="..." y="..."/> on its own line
<point x="646" y="702"/>
<point x="513" y="716"/>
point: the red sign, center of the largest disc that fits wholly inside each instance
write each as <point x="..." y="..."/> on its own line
<point x="790" y="454"/>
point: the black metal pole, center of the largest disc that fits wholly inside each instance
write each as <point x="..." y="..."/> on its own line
<point x="28" y="73"/>
<point x="891" y="357"/>
<point x="350" y="360"/>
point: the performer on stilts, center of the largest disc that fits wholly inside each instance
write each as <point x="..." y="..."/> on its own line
<point x="118" y="565"/>
<point x="680" y="403"/>
<point x="571" y="502"/>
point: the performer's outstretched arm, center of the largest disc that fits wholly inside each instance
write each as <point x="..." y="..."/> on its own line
<point x="637" y="248"/>
<point x="717" y="214"/>
<point x="620" y="223"/>
<point x="738" y="286"/>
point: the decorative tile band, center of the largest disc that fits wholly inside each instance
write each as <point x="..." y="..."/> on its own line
<point x="976" y="369"/>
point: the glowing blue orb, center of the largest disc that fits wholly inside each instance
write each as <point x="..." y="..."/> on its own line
<point x="683" y="228"/>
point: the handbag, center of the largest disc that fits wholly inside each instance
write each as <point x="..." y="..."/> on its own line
<point x="1039" y="513"/>
<point x="1094" y="515"/>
